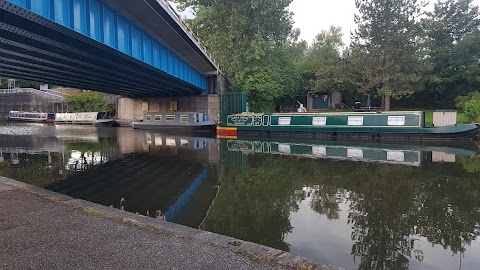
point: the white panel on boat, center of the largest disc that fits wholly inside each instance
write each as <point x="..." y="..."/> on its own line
<point x="396" y="120"/>
<point x="170" y="142"/>
<point x="284" y="121"/>
<point x="395" y="156"/>
<point x="284" y="148"/>
<point x="355" y="120"/>
<point x="148" y="138"/>
<point x="319" y="121"/>
<point x="184" y="142"/>
<point x="354" y="153"/>
<point x="319" y="151"/>
<point x="158" y="140"/>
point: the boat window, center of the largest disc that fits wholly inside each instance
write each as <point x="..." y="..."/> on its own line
<point x="170" y="117"/>
<point x="396" y="120"/>
<point x="284" y="121"/>
<point x="148" y="117"/>
<point x="355" y="120"/>
<point x="284" y="148"/>
<point x="158" y="118"/>
<point x="354" y="153"/>
<point x="319" y="121"/>
<point x="184" y="118"/>
<point x="396" y="156"/>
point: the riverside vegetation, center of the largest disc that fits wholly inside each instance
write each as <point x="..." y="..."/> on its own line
<point x="400" y="52"/>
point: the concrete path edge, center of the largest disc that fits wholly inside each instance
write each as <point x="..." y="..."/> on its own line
<point x="252" y="250"/>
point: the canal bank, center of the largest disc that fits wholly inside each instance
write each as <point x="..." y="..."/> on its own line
<point x="41" y="229"/>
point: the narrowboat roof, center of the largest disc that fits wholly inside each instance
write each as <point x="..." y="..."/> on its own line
<point x="330" y="113"/>
<point x="158" y="113"/>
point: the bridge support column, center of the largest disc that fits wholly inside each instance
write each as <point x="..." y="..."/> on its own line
<point x="131" y="110"/>
<point x="217" y="84"/>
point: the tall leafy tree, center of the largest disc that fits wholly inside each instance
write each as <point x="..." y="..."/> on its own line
<point x="387" y="50"/>
<point x="453" y="39"/>
<point x="325" y="68"/>
<point x="252" y="40"/>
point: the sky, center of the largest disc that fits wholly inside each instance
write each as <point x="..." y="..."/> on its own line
<point x="313" y="16"/>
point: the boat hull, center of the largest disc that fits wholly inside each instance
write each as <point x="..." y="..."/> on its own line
<point x="208" y="129"/>
<point x="18" y="120"/>
<point x="379" y="135"/>
<point x="108" y="123"/>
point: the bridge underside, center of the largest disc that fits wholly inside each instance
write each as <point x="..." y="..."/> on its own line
<point x="37" y="49"/>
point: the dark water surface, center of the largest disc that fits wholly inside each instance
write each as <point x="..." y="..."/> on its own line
<point x="354" y="205"/>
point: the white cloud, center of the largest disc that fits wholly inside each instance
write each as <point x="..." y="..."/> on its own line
<point x="313" y="16"/>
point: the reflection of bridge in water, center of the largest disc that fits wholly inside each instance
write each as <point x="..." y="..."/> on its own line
<point x="146" y="183"/>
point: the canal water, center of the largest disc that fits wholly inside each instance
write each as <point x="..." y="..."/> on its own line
<point x="354" y="205"/>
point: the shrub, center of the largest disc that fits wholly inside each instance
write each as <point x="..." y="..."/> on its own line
<point x="461" y="100"/>
<point x="471" y="110"/>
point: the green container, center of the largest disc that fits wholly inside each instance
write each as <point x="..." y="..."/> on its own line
<point x="232" y="103"/>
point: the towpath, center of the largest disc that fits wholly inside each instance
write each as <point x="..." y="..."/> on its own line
<point x="40" y="229"/>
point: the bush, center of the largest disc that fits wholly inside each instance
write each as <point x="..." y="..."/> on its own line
<point x="88" y="102"/>
<point x="460" y="101"/>
<point x="471" y="110"/>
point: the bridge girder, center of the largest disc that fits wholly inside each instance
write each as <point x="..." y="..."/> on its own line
<point x="33" y="47"/>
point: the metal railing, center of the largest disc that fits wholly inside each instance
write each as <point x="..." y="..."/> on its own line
<point x="173" y="12"/>
<point x="48" y="94"/>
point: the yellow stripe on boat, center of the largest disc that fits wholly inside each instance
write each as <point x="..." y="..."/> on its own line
<point x="226" y="128"/>
<point x="226" y="137"/>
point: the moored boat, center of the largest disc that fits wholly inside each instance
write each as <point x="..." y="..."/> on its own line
<point x="35" y="117"/>
<point x="177" y="122"/>
<point x="85" y="118"/>
<point x="364" y="125"/>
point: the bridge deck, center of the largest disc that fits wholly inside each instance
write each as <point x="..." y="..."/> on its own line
<point x="94" y="46"/>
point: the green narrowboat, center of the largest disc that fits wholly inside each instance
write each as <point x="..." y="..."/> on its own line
<point x="348" y="125"/>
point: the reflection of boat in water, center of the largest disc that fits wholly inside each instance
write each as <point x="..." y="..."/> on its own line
<point x="164" y="140"/>
<point x="363" y="152"/>
<point x="82" y="133"/>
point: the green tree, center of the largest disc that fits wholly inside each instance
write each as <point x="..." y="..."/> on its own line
<point x="88" y="102"/>
<point x="254" y="43"/>
<point x="452" y="42"/>
<point x="386" y="47"/>
<point x="324" y="68"/>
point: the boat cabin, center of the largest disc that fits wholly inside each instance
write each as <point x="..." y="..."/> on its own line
<point x="174" y="118"/>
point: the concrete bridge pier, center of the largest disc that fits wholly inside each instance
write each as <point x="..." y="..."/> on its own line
<point x="130" y="110"/>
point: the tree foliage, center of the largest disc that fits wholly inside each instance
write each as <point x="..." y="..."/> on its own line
<point x="254" y="42"/>
<point x="324" y="68"/>
<point x="88" y="102"/>
<point x="386" y="47"/>
<point x="452" y="43"/>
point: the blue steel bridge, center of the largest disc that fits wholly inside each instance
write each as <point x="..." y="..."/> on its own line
<point x="134" y="48"/>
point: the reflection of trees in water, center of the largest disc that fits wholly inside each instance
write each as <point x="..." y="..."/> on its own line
<point x="325" y="200"/>
<point x="391" y="206"/>
<point x="380" y="208"/>
<point x="254" y="204"/>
